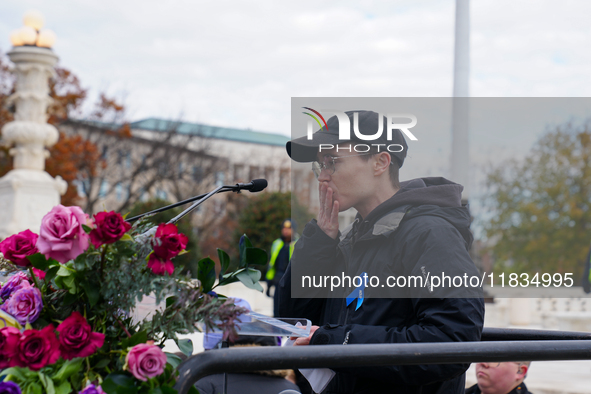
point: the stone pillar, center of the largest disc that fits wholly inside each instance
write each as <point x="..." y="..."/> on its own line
<point x="27" y="192"/>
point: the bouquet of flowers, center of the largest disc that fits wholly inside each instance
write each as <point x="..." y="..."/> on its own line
<point x="66" y="307"/>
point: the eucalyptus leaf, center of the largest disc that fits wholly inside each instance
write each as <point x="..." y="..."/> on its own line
<point x="186" y="346"/>
<point x="173" y="359"/>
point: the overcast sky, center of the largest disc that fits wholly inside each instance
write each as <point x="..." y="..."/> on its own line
<point x="237" y="63"/>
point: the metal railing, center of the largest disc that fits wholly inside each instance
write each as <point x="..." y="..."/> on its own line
<point x="497" y="345"/>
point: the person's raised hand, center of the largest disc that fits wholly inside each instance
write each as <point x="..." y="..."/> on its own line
<point x="328" y="215"/>
<point x="303" y="341"/>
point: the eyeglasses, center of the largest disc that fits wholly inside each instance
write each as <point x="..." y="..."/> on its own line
<point x="329" y="162"/>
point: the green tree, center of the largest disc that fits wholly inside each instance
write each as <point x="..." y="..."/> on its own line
<point x="262" y="218"/>
<point x="188" y="260"/>
<point x="541" y="206"/>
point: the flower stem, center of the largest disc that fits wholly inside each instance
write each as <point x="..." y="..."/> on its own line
<point x="34" y="278"/>
<point x="122" y="326"/>
<point x="103" y="260"/>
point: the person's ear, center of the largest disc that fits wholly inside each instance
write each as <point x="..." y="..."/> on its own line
<point x="522" y="370"/>
<point x="381" y="163"/>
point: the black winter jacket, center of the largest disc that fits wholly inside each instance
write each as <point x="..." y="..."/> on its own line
<point x="422" y="228"/>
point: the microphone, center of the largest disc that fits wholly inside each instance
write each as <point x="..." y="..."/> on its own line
<point x="253" y="186"/>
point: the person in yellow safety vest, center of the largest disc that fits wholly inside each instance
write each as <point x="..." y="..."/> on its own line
<point x="281" y="251"/>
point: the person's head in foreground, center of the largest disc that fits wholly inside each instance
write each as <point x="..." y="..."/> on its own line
<point x="501" y="378"/>
<point x="355" y="173"/>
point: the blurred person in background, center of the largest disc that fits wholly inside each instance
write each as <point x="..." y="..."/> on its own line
<point x="281" y="251"/>
<point x="500" y="378"/>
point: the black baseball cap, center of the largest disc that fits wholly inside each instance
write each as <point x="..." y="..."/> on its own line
<point x="304" y="150"/>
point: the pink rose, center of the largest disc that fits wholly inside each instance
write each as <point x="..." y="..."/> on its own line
<point x="17" y="247"/>
<point x="37" y="349"/>
<point x="167" y="242"/>
<point x="145" y="361"/>
<point x="109" y="228"/>
<point x="62" y="236"/>
<point x="25" y="305"/>
<point x="76" y="337"/>
<point x="9" y="338"/>
<point x="158" y="266"/>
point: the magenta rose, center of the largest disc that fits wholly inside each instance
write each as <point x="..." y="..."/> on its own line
<point x="15" y="283"/>
<point x="77" y="339"/>
<point x="145" y="361"/>
<point x="109" y="228"/>
<point x="92" y="389"/>
<point x="25" y="305"/>
<point x="62" y="236"/>
<point x="168" y="242"/>
<point x="17" y="247"/>
<point x="39" y="273"/>
<point x="9" y="338"/>
<point x="37" y="349"/>
<point x="158" y="266"/>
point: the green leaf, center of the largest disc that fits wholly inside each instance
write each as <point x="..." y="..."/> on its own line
<point x="102" y="363"/>
<point x="69" y="299"/>
<point x="92" y="292"/>
<point x="47" y="383"/>
<point x="64" y="271"/>
<point x="206" y="274"/>
<point x="16" y="372"/>
<point x="86" y="229"/>
<point x="247" y="281"/>
<point x="126" y="238"/>
<point x="254" y="274"/>
<point x="256" y="256"/>
<point x="35" y="388"/>
<point x="51" y="273"/>
<point x="63" y="388"/>
<point x="168" y="390"/>
<point x="186" y="346"/>
<point x="224" y="262"/>
<point x="68" y="369"/>
<point x="138" y="337"/>
<point x="171" y="300"/>
<point x="155" y="390"/>
<point x="39" y="261"/>
<point x="193" y="390"/>
<point x="242" y="245"/>
<point x="173" y="359"/>
<point x="115" y="381"/>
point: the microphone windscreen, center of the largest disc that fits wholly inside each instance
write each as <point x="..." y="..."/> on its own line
<point x="258" y="185"/>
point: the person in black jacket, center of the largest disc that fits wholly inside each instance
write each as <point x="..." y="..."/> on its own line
<point x="415" y="229"/>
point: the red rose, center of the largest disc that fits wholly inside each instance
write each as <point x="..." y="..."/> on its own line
<point x="76" y="338"/>
<point x="158" y="266"/>
<point x="37" y="349"/>
<point x="9" y="338"/>
<point x="110" y="227"/>
<point x="17" y="247"/>
<point x="168" y="242"/>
